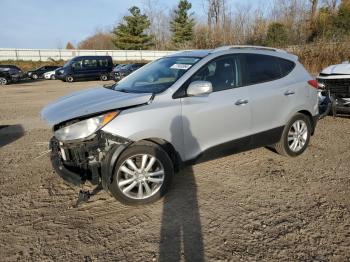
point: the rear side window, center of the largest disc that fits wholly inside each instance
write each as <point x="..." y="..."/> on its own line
<point x="264" y="68"/>
<point x="103" y="62"/>
<point x="286" y="66"/>
<point x="90" y="63"/>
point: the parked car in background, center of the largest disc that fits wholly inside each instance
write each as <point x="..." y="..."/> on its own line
<point x="86" y="67"/>
<point x="179" y="110"/>
<point x="10" y="73"/>
<point x="39" y="72"/>
<point x="51" y="74"/>
<point x="124" y="70"/>
<point x="5" y="78"/>
<point x="115" y="70"/>
<point x="334" y="82"/>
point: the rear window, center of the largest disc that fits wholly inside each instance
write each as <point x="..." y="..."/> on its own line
<point x="264" y="68"/>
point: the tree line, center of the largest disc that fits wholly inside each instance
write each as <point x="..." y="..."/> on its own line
<point x="283" y="23"/>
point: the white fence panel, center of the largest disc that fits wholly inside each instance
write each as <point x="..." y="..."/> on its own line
<point x="66" y="54"/>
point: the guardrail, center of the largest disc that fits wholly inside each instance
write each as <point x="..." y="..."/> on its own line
<point x="66" y="54"/>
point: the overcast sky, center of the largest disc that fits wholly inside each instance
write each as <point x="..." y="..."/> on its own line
<point x="52" y="23"/>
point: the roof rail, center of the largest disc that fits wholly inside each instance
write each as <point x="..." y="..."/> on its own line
<point x="223" y="48"/>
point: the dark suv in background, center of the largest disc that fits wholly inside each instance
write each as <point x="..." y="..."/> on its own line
<point x="122" y="71"/>
<point x="86" y="67"/>
<point x="39" y="72"/>
<point x="10" y="73"/>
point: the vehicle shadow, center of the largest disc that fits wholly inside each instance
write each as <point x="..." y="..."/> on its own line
<point x="10" y="133"/>
<point x="181" y="230"/>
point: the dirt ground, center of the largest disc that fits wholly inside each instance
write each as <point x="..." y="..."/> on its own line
<point x="253" y="206"/>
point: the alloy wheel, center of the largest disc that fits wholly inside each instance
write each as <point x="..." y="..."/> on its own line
<point x="3" y="81"/>
<point x="140" y="176"/>
<point x="297" y="136"/>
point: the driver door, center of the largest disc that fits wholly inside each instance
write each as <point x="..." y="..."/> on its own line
<point x="218" y="123"/>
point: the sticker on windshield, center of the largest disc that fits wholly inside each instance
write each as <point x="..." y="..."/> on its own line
<point x="180" y="66"/>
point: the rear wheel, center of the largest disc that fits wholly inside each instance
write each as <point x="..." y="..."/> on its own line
<point x="52" y="77"/>
<point x="35" y="76"/>
<point x="70" y="79"/>
<point x="3" y="81"/>
<point x="104" y="77"/>
<point x="295" y="137"/>
<point x="142" y="174"/>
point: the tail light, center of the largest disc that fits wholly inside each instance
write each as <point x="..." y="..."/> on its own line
<point x="313" y="83"/>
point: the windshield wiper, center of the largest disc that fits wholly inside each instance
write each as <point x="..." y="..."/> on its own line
<point x="123" y="90"/>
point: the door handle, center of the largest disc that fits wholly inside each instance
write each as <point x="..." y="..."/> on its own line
<point x="288" y="93"/>
<point x="240" y="102"/>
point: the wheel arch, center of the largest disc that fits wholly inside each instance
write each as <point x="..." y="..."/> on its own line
<point x="311" y="118"/>
<point x="115" y="152"/>
<point x="170" y="149"/>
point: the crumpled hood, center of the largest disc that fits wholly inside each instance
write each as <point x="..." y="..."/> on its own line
<point x="337" y="69"/>
<point x="90" y="101"/>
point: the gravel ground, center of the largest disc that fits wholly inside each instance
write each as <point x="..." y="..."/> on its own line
<point x="252" y="206"/>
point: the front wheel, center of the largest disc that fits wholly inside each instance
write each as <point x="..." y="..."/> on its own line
<point x="3" y="81"/>
<point x="70" y="79"/>
<point x="142" y="174"/>
<point x="295" y="137"/>
<point x="52" y="77"/>
<point x="35" y="76"/>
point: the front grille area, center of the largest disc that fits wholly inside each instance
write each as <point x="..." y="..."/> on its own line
<point x="338" y="87"/>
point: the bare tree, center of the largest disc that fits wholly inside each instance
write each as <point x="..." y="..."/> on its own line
<point x="100" y="40"/>
<point x="157" y="14"/>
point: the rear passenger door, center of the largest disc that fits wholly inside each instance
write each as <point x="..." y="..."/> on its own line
<point x="271" y="91"/>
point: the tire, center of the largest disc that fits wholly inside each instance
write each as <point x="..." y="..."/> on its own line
<point x="53" y="77"/>
<point x="3" y="81"/>
<point x="69" y="79"/>
<point x="125" y="186"/>
<point x="295" y="137"/>
<point x="35" y="76"/>
<point x="104" y="77"/>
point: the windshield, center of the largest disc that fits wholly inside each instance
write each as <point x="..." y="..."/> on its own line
<point x="157" y="76"/>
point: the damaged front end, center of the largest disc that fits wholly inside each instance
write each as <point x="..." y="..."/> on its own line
<point x="334" y="84"/>
<point x="80" y="149"/>
<point x="88" y="160"/>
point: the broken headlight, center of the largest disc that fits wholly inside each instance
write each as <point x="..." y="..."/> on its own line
<point x="85" y="128"/>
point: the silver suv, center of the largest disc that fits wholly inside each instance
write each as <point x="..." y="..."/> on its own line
<point x="182" y="109"/>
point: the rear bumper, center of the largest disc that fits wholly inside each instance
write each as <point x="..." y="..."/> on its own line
<point x="314" y="123"/>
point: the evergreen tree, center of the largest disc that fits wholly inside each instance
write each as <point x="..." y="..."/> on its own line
<point x="342" y="20"/>
<point x="130" y="34"/>
<point x="182" y="24"/>
<point x="276" y="35"/>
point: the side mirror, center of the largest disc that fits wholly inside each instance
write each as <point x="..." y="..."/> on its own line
<point x="198" y="88"/>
